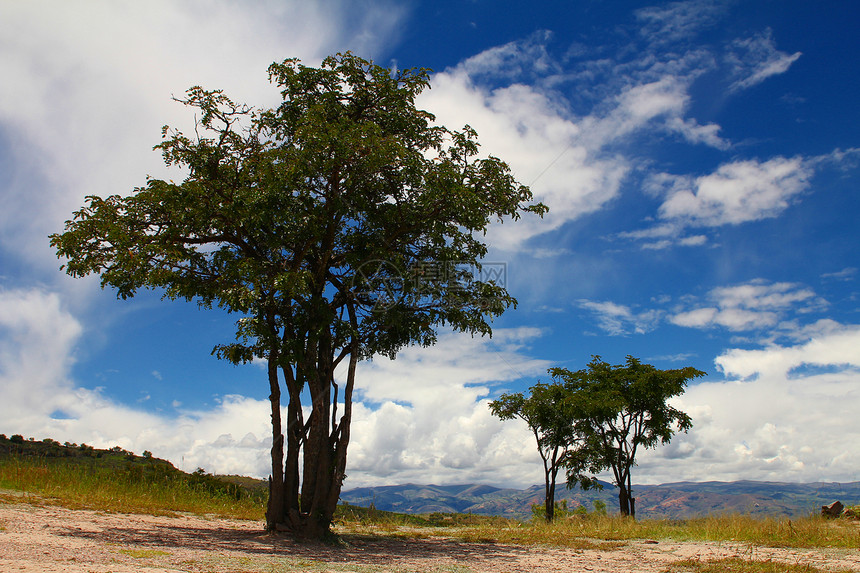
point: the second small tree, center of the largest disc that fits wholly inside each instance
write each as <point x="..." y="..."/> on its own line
<point x="549" y="414"/>
<point x="622" y="408"/>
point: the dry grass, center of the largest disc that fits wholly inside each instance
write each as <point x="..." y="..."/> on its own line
<point x="610" y="532"/>
<point x="737" y="565"/>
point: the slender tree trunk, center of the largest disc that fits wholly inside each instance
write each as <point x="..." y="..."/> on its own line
<point x="275" y="511"/>
<point x="626" y="500"/>
<point x="631" y="499"/>
<point x="622" y="501"/>
<point x="295" y="429"/>
<point x="551" y="469"/>
<point x="340" y="439"/>
<point x="549" y="504"/>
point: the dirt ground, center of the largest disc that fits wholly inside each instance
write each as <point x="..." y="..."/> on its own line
<point x="48" y="538"/>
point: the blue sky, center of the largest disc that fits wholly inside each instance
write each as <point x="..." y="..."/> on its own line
<point x="701" y="162"/>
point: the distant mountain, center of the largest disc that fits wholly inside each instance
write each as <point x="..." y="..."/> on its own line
<point x="672" y="501"/>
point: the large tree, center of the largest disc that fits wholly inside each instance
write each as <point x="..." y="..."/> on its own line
<point x="551" y="416"/>
<point x="622" y="408"/>
<point x="339" y="225"/>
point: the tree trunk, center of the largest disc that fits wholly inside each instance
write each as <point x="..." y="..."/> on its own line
<point x="623" y="499"/>
<point x="626" y="501"/>
<point x="551" y="473"/>
<point x="321" y="443"/>
<point x="550" y="501"/>
<point x="631" y="501"/>
<point x="275" y="513"/>
<point x="295" y="429"/>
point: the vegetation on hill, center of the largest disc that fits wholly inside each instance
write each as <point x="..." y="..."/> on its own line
<point x="118" y="480"/>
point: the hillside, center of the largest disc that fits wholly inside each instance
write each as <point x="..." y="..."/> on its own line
<point x="672" y="501"/>
<point x="117" y="461"/>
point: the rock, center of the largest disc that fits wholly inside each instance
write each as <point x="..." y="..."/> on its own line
<point x="832" y="510"/>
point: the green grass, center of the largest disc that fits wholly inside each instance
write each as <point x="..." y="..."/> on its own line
<point x="143" y="553"/>
<point x="737" y="565"/>
<point x="129" y="490"/>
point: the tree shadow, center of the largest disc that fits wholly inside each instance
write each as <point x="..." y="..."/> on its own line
<point x="349" y="548"/>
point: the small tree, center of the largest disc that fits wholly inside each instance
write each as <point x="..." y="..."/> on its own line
<point x="623" y="408"/>
<point x="339" y="225"/>
<point x="551" y="416"/>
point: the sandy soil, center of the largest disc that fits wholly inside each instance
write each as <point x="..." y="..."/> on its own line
<point x="48" y="538"/>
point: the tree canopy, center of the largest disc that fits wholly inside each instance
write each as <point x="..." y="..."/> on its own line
<point x="622" y="408"/>
<point x="339" y="225"/>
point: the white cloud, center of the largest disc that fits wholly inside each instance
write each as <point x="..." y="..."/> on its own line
<point x="755" y="305"/>
<point x="755" y="59"/>
<point x="750" y="306"/>
<point x="739" y="192"/>
<point x="617" y="319"/>
<point x="846" y="274"/>
<point x="736" y="192"/>
<point x="568" y="160"/>
<point x="546" y="148"/>
<point x="666" y="98"/>
<point x="39" y="399"/>
<point x="36" y="340"/>
<point x="783" y="419"/>
<point x="87" y="87"/>
<point x="423" y="417"/>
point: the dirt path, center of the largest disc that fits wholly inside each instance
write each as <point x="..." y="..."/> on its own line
<point x="47" y="538"/>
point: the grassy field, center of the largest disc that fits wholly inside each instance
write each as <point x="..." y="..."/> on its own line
<point x="124" y="489"/>
<point x="138" y="488"/>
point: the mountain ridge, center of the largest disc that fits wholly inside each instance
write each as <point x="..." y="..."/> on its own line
<point x="676" y="500"/>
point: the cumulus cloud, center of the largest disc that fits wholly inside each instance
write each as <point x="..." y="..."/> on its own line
<point x="665" y="99"/>
<point x="569" y="160"/>
<point x="776" y="417"/>
<point x="38" y="398"/>
<point x="516" y="97"/>
<point x="422" y="417"/>
<point x="751" y="306"/>
<point x="736" y="192"/>
<point x="536" y="136"/>
<point x="87" y="88"/>
<point x="758" y="305"/>
<point x="739" y="192"/>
